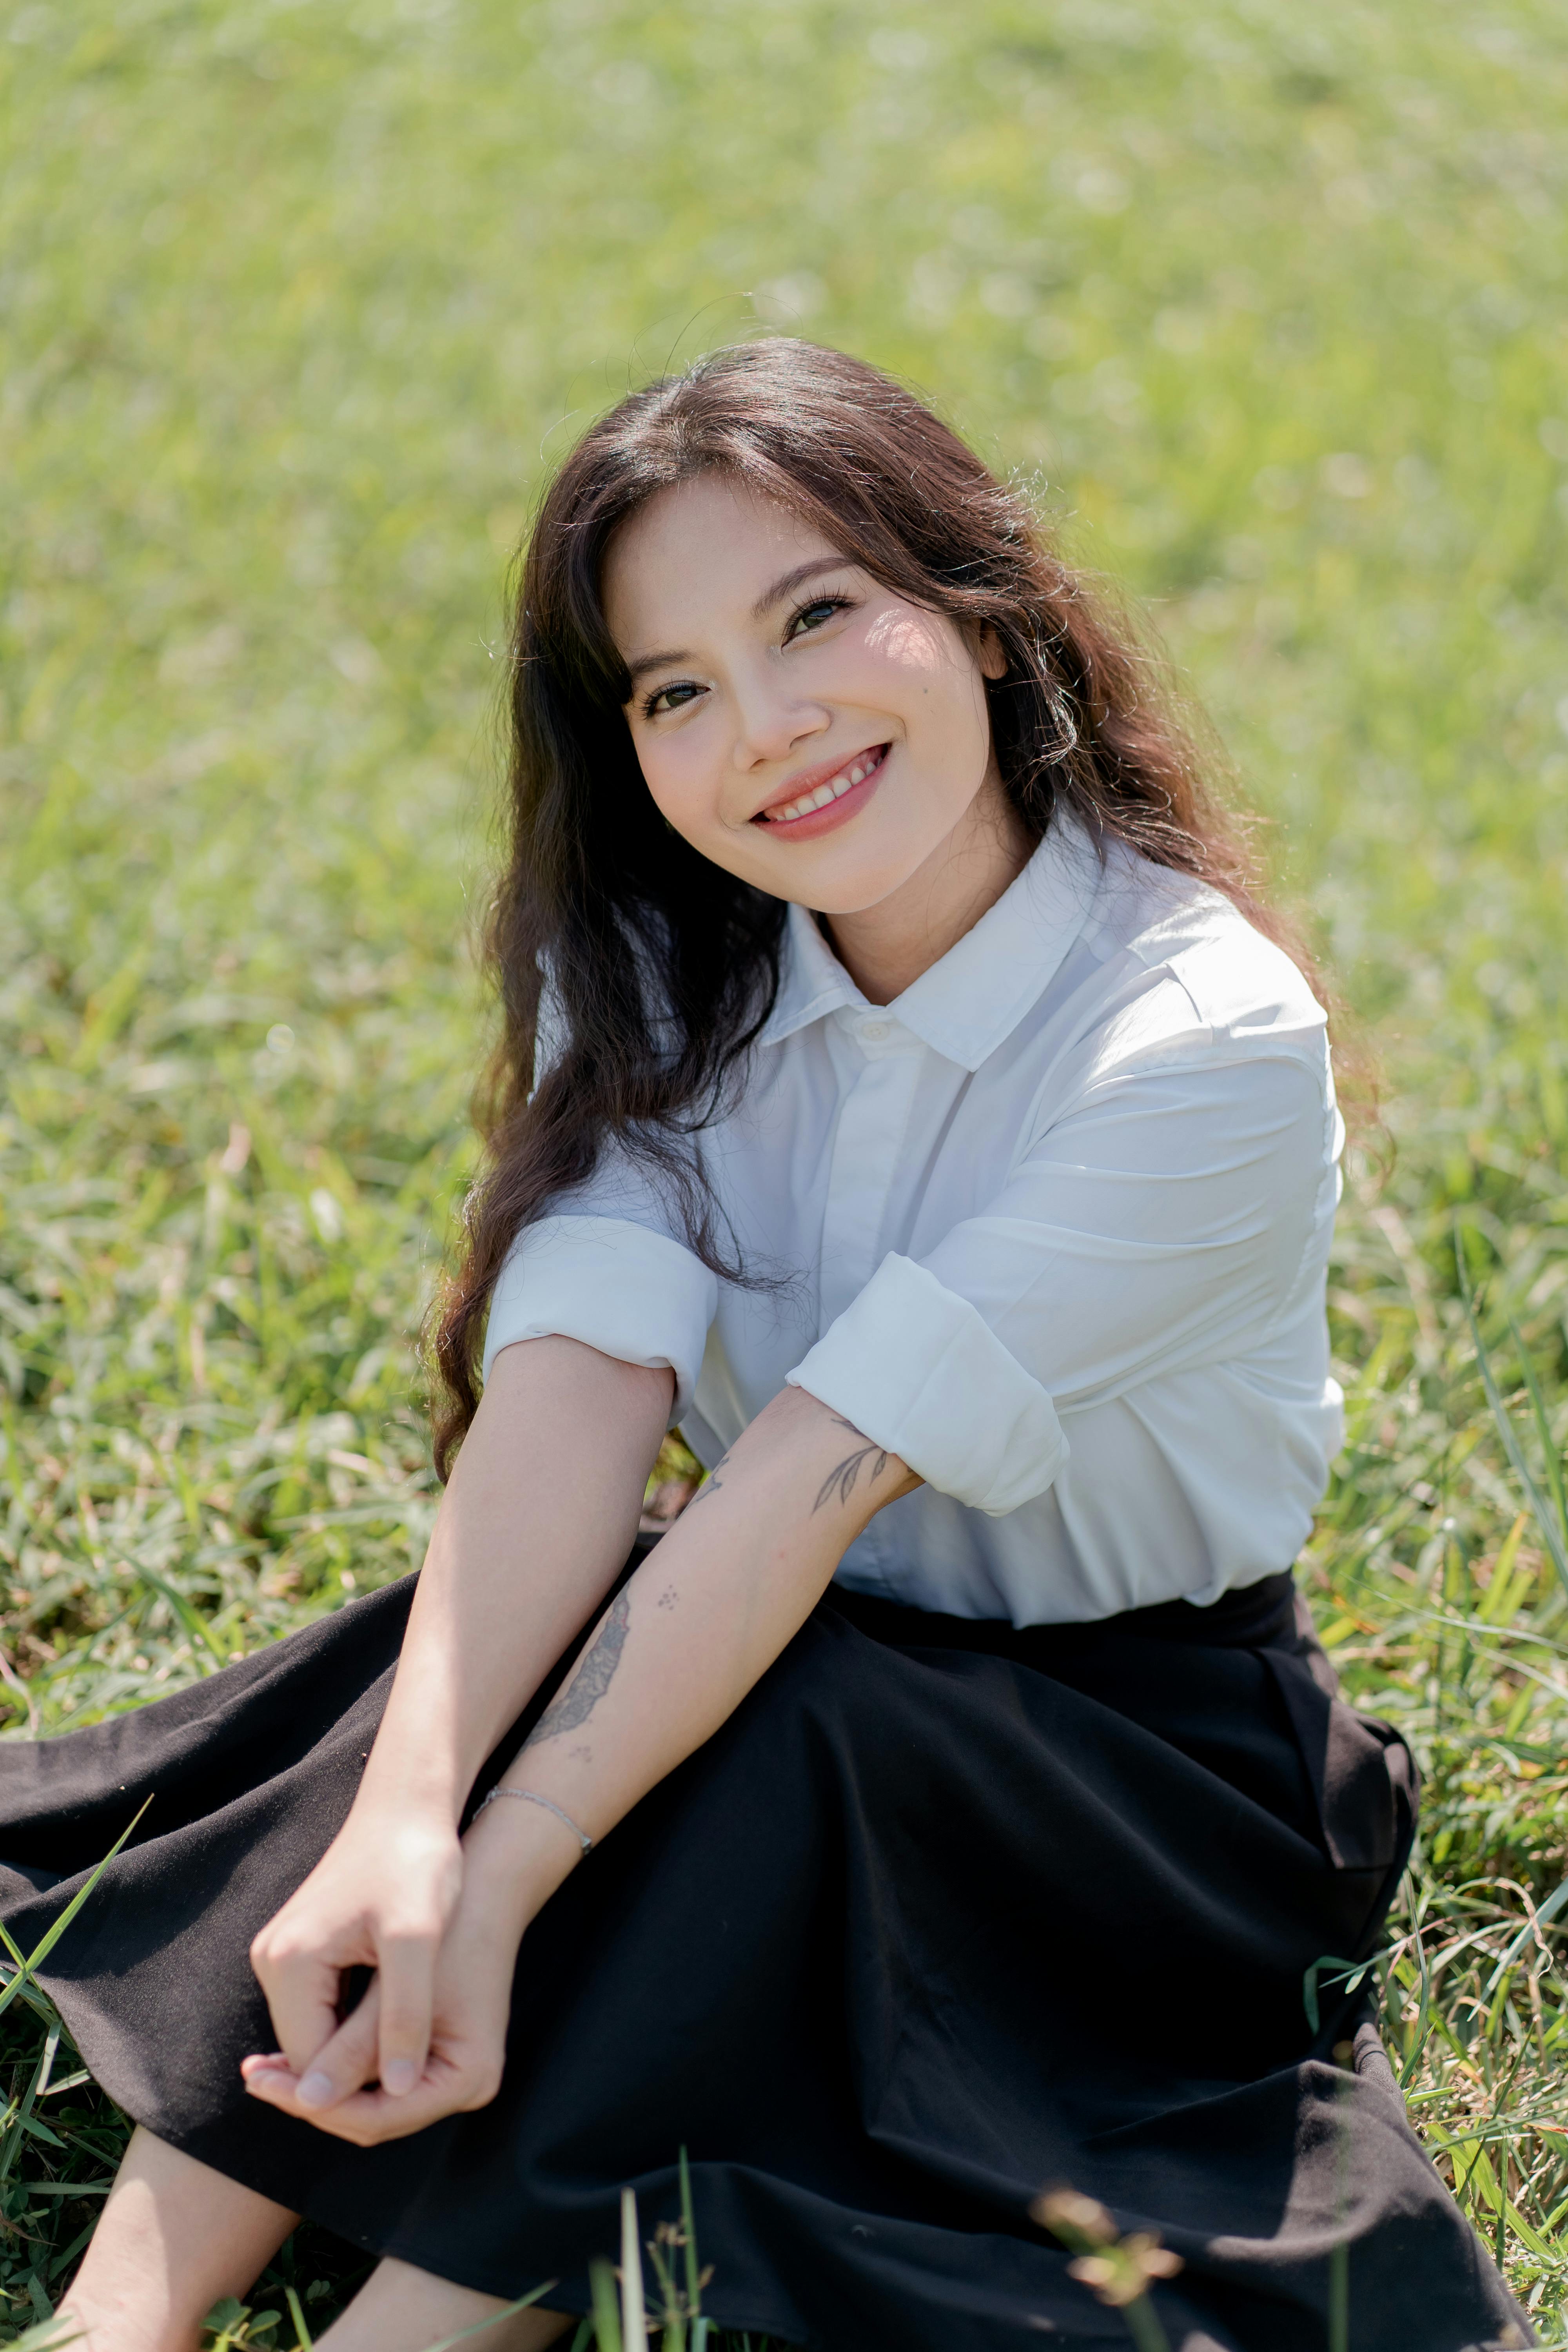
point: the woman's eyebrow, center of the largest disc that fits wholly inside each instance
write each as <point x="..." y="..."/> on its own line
<point x="645" y="662"/>
<point x="791" y="581"/>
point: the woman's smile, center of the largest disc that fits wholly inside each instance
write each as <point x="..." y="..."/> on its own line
<point x="826" y="796"/>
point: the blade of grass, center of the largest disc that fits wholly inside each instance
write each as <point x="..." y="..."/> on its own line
<point x="606" y="2305"/>
<point x="1350" y="1973"/>
<point x="689" y="2230"/>
<point x="47" y="1943"/>
<point x="1479" y="2175"/>
<point x="633" y="2310"/>
<point x="1553" y="1534"/>
<point x="1549" y="1448"/>
<point x="37" y="2002"/>
<point x="1423" y="2014"/>
<point x="48" y="2335"/>
<point x="1545" y="1914"/>
<point x="63" y="2261"/>
<point x="465" y="2334"/>
<point x="1506" y="1591"/>
<point x="194" y="1625"/>
<point x="1143" y="2326"/>
<point x="16" y="2134"/>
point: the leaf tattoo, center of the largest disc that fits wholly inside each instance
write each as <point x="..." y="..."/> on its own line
<point x="845" y="1473"/>
<point x="587" y="1686"/>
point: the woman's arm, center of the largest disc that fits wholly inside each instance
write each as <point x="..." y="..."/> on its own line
<point x="531" y="1531"/>
<point x="696" y="1625"/>
<point x="703" y="1618"/>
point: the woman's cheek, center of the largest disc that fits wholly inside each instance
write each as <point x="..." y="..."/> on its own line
<point x="682" y="800"/>
<point x="910" y="646"/>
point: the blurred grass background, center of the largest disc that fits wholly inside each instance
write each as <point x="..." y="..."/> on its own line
<point x="298" y="303"/>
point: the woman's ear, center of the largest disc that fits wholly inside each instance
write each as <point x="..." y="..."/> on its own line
<point x="993" y="655"/>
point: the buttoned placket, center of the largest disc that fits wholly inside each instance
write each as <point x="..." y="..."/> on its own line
<point x="873" y="1122"/>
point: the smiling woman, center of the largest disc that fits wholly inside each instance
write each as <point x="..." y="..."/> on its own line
<point x="902" y="1090"/>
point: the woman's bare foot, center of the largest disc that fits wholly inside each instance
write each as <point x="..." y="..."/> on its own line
<point x="175" y="2238"/>
<point x="401" y="2309"/>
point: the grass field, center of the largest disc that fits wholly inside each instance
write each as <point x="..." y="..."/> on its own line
<point x="300" y="301"/>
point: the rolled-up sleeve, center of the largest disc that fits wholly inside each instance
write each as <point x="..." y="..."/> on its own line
<point x="916" y="1369"/>
<point x="1165" y="1223"/>
<point x="632" y="1292"/>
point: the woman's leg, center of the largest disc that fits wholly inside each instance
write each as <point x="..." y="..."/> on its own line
<point x="175" y="2238"/>
<point x="401" y="2309"/>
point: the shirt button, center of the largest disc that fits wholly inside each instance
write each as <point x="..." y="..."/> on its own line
<point x="874" y="1030"/>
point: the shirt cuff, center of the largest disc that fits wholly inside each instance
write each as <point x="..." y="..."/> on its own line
<point x="630" y="1292"/>
<point x="919" y="1370"/>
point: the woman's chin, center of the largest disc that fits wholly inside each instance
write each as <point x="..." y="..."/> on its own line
<point x="832" y="896"/>
<point x="841" y="874"/>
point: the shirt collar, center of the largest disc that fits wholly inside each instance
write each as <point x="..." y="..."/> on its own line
<point x="976" y="995"/>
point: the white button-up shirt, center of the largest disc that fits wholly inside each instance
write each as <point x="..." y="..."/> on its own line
<point x="1052" y="1227"/>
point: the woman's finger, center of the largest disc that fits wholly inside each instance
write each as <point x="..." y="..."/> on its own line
<point x="405" y="1981"/>
<point x="365" y="2117"/>
<point x="274" y="2082"/>
<point x="301" y="1991"/>
<point x="345" y="2062"/>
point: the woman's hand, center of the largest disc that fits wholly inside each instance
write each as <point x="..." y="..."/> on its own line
<point x="508" y="1869"/>
<point x="465" y="2051"/>
<point x="381" y="1897"/>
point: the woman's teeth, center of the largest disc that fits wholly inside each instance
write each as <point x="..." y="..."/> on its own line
<point x="856" y="773"/>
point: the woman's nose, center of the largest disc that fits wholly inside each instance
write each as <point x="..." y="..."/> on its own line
<point x="772" y="720"/>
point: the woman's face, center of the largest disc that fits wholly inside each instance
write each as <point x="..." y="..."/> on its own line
<point x="800" y="724"/>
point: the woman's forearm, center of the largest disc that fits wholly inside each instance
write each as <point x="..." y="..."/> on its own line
<point x="536" y="1523"/>
<point x="535" y="1527"/>
<point x="696" y="1625"/>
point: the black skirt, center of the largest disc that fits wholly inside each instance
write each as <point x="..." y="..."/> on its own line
<point x="945" y="1914"/>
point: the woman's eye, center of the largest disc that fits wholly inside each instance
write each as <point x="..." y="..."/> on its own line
<point x="669" y="698"/>
<point x="812" y="617"/>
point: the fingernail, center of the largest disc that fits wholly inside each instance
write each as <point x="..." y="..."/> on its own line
<point x="399" y="2076"/>
<point x="316" y="2089"/>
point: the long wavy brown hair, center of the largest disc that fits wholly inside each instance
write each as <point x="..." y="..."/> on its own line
<point x="660" y="967"/>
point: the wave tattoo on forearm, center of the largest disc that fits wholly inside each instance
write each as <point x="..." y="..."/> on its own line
<point x="841" y="1478"/>
<point x="573" y="1705"/>
<point x="711" y="1485"/>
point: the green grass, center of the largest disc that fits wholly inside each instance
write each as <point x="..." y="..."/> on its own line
<point x="299" y="301"/>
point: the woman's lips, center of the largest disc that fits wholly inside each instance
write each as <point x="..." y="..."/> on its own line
<point x="847" y="792"/>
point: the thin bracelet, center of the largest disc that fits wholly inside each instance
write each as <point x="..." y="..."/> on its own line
<point x="533" y="1797"/>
